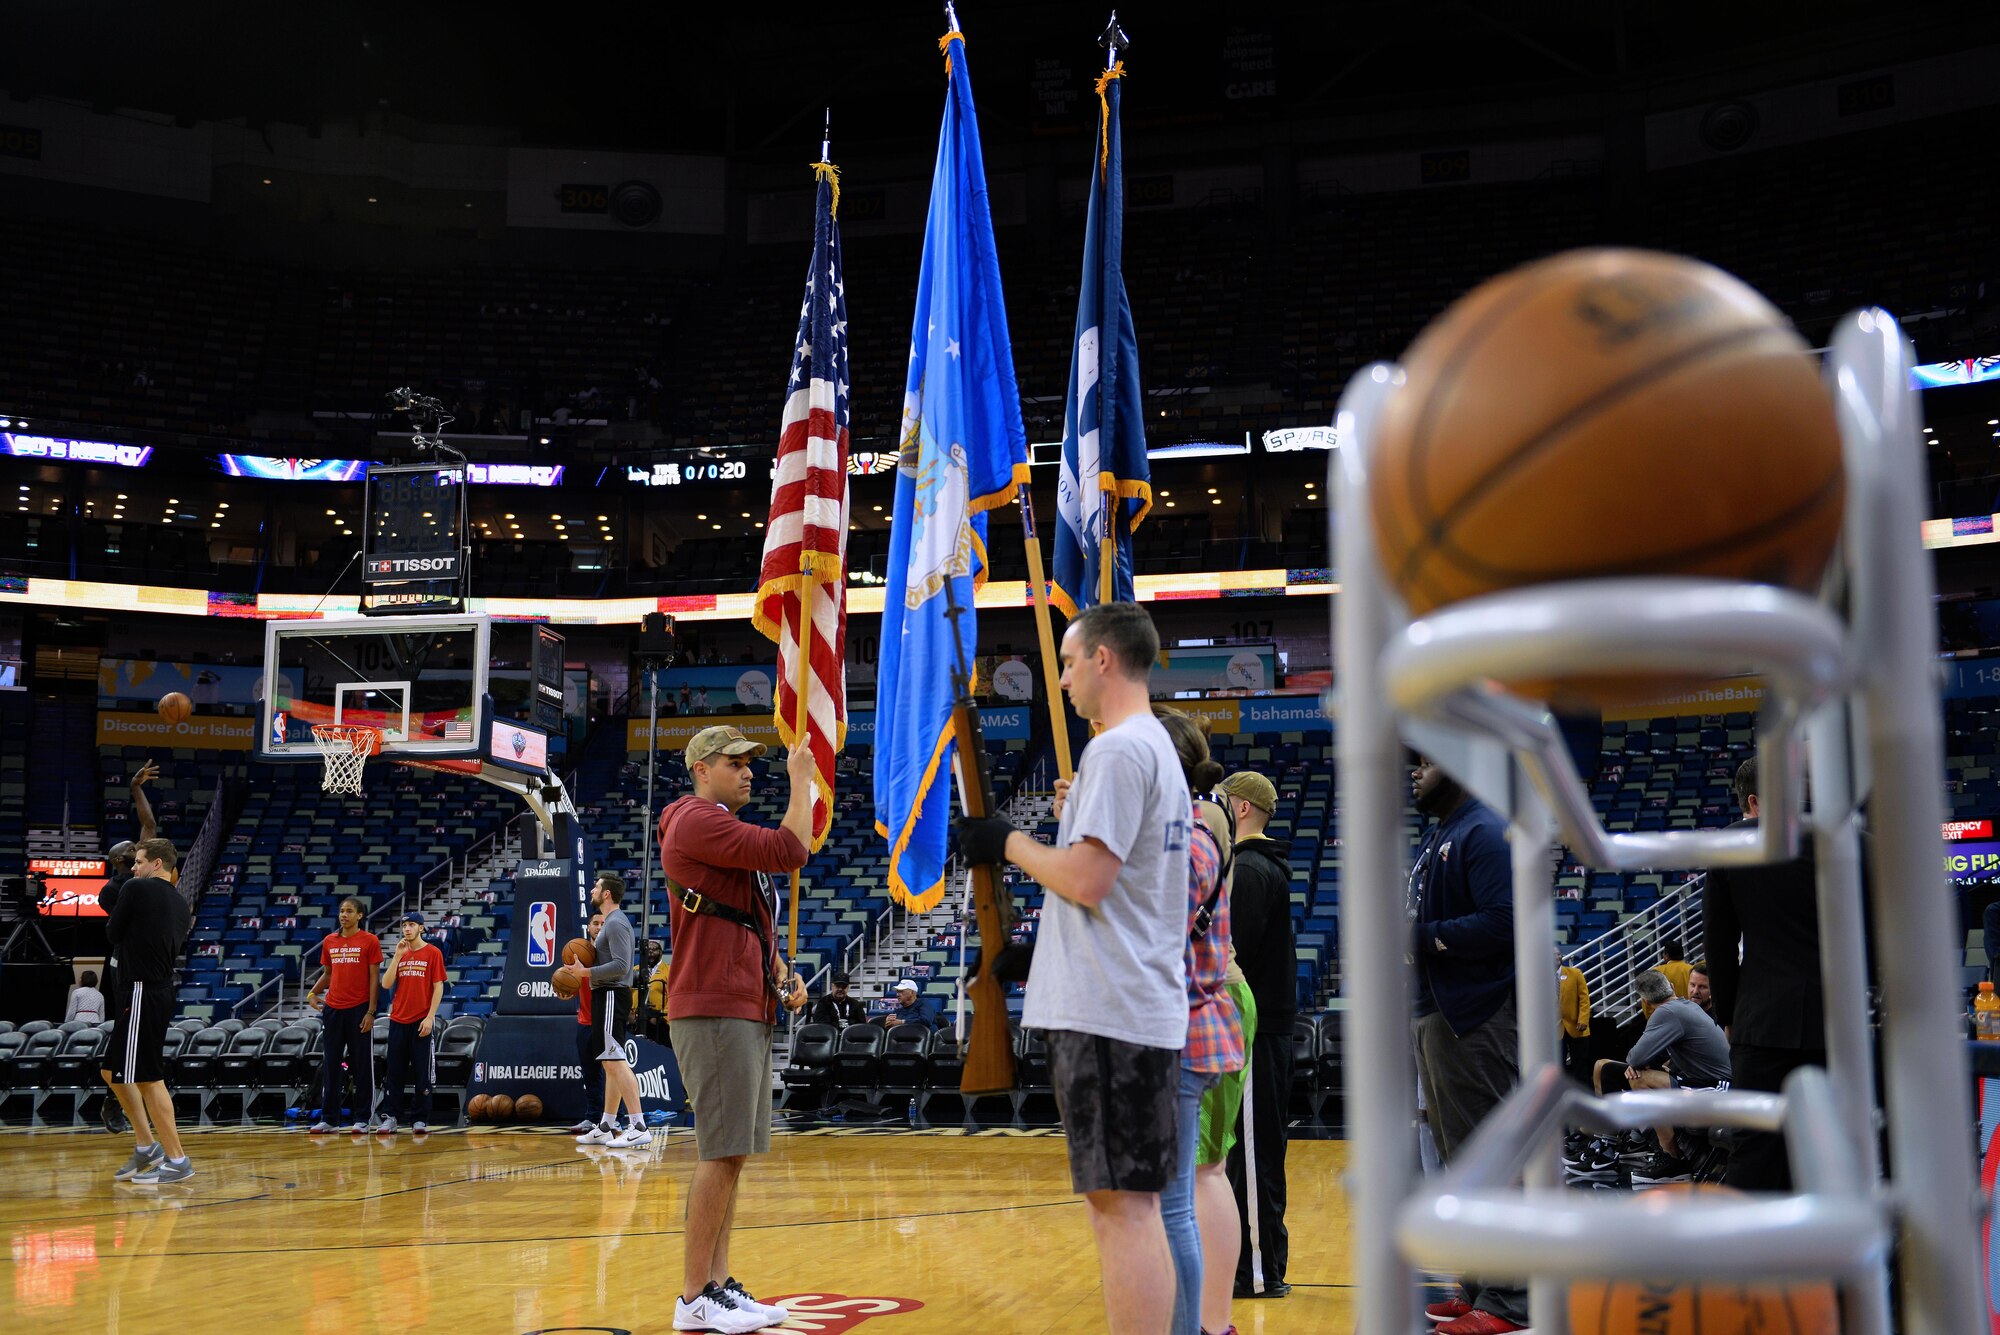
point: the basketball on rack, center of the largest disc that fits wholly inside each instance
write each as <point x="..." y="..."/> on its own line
<point x="1707" y="1307"/>
<point x="1605" y="413"/>
<point x="580" y="951"/>
<point x="528" y="1107"/>
<point x="500" y="1107"/>
<point x="475" y="1108"/>
<point x="175" y="707"/>
<point x="567" y="981"/>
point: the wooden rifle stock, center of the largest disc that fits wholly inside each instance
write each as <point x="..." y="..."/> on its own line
<point x="989" y="1051"/>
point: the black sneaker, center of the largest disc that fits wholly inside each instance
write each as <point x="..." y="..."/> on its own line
<point x="1661" y="1169"/>
<point x="1636" y="1147"/>
<point x="1598" y="1160"/>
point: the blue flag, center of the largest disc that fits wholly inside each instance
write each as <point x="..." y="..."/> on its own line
<point x="1106" y="486"/>
<point x="964" y="451"/>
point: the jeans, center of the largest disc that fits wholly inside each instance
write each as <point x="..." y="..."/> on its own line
<point x="1177" y="1204"/>
<point x="347" y="1042"/>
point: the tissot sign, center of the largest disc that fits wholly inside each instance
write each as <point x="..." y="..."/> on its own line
<point x="413" y="567"/>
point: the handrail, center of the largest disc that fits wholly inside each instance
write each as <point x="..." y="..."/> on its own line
<point x="276" y="980"/>
<point x="1609" y="984"/>
<point x="1473" y="1217"/>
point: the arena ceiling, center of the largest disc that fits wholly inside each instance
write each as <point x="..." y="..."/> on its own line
<point x="751" y="79"/>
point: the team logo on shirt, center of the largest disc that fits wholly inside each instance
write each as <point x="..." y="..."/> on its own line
<point x="1444" y="854"/>
<point x="1176" y="836"/>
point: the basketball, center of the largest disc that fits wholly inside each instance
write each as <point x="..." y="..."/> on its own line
<point x="528" y="1107"/>
<point x="175" y="707"/>
<point x="1605" y="413"/>
<point x="581" y="952"/>
<point x="500" y="1107"/>
<point x="1671" y="1307"/>
<point x="567" y="981"/>
<point x="475" y="1108"/>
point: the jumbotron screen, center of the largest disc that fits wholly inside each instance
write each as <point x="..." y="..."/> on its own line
<point x="69" y="886"/>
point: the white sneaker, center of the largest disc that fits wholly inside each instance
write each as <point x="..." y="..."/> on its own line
<point x="359" y="1128"/>
<point x="597" y="1135"/>
<point x="718" y="1311"/>
<point x="321" y="1128"/>
<point x="420" y="1128"/>
<point x="386" y="1127"/>
<point x="638" y="1135"/>
<point x="773" y="1314"/>
<point x="621" y="1139"/>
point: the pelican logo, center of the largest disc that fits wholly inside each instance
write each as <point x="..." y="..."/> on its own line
<point x="837" y="1313"/>
<point x="941" y="543"/>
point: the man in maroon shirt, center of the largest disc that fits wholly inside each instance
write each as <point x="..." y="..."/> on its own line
<point x="351" y="957"/>
<point x="727" y="981"/>
<point x="416" y="973"/>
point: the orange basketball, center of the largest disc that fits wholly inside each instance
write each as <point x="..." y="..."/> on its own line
<point x="1605" y="413"/>
<point x="500" y="1107"/>
<point x="475" y="1108"/>
<point x="175" y="707"/>
<point x="528" y="1107"/>
<point x="1671" y="1307"/>
<point x="567" y="981"/>
<point x="581" y="952"/>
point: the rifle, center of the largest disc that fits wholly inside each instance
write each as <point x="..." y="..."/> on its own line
<point x="989" y="1051"/>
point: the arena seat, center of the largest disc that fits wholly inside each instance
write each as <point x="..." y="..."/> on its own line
<point x="906" y="1059"/>
<point x="72" y="1075"/>
<point x="191" y="1069"/>
<point x="811" y="1066"/>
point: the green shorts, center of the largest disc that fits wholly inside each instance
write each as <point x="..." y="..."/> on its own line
<point x="1225" y="1097"/>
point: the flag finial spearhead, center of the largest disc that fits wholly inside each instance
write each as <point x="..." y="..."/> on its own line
<point x="1113" y="40"/>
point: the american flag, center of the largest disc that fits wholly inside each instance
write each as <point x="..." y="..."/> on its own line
<point x="805" y="538"/>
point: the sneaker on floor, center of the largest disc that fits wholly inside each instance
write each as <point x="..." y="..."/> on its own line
<point x="1597" y="1161"/>
<point x="1273" y="1288"/>
<point x="1660" y="1169"/>
<point x="386" y="1127"/>
<point x="597" y="1135"/>
<point x="359" y="1128"/>
<point x="1450" y="1310"/>
<point x="637" y="1135"/>
<point x="420" y="1128"/>
<point x="716" y="1310"/>
<point x="1636" y="1146"/>
<point x="773" y="1314"/>
<point x="140" y="1161"/>
<point x="1477" y="1322"/>
<point x="166" y="1170"/>
<point x="321" y="1129"/>
<point x="583" y="1126"/>
<point x="621" y="1139"/>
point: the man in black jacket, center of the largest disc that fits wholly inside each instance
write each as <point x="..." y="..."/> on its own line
<point x="145" y="935"/>
<point x="1772" y="1004"/>
<point x="1461" y="913"/>
<point x="1260" y="913"/>
<point x="836" y="1007"/>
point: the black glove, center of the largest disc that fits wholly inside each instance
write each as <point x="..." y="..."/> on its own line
<point x="1011" y="965"/>
<point x="984" y="838"/>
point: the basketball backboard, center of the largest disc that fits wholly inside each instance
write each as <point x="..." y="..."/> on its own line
<point x="421" y="679"/>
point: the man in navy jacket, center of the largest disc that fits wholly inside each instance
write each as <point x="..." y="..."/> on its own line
<point x="1461" y="910"/>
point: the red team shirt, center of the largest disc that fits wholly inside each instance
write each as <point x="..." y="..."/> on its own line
<point x="350" y="961"/>
<point x="415" y="976"/>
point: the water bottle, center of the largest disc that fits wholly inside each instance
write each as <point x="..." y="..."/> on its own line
<point x="913" y="1101"/>
<point x="1986" y="1014"/>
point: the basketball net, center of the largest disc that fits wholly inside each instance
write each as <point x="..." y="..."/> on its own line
<point x="346" y="748"/>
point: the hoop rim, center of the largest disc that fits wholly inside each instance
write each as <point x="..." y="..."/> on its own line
<point x="361" y="738"/>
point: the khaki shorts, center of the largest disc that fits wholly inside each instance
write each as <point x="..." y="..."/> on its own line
<point x="726" y="1066"/>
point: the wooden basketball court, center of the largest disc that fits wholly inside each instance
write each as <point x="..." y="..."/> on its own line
<point x="504" y="1232"/>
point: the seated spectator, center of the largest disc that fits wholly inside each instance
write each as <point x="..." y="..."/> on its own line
<point x="836" y="1007"/>
<point x="1674" y="966"/>
<point x="658" y="968"/>
<point x="1681" y="1048"/>
<point x="1698" y="991"/>
<point x="1573" y="1002"/>
<point x="85" y="1001"/>
<point x="911" y="1008"/>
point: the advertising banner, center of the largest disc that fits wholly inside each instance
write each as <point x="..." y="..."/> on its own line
<point x="1282" y="713"/>
<point x="203" y="732"/>
<point x="1972" y="862"/>
<point x="143" y="681"/>
<point x="1228" y="667"/>
<point x="538" y="1054"/>
<point x="1727" y="695"/>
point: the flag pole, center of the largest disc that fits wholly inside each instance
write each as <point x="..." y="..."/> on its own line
<point x="1051" y="674"/>
<point x="808" y="588"/>
<point x="1113" y="41"/>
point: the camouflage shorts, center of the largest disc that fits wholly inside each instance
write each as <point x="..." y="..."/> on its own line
<point x="1118" y="1111"/>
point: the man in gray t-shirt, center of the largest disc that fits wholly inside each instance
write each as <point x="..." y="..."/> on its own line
<point x="1109" y="986"/>
<point x="1677" y="1032"/>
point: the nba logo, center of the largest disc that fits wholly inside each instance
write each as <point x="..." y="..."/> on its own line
<point x="278" y="727"/>
<point x="541" y="934"/>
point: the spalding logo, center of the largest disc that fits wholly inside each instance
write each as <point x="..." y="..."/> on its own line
<point x="543" y="867"/>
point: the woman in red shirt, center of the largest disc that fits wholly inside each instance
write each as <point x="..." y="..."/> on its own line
<point x="350" y="958"/>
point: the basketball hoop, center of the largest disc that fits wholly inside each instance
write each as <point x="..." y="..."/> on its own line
<point x="346" y="747"/>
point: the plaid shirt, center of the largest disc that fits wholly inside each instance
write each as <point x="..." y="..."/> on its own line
<point x="1215" y="1031"/>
